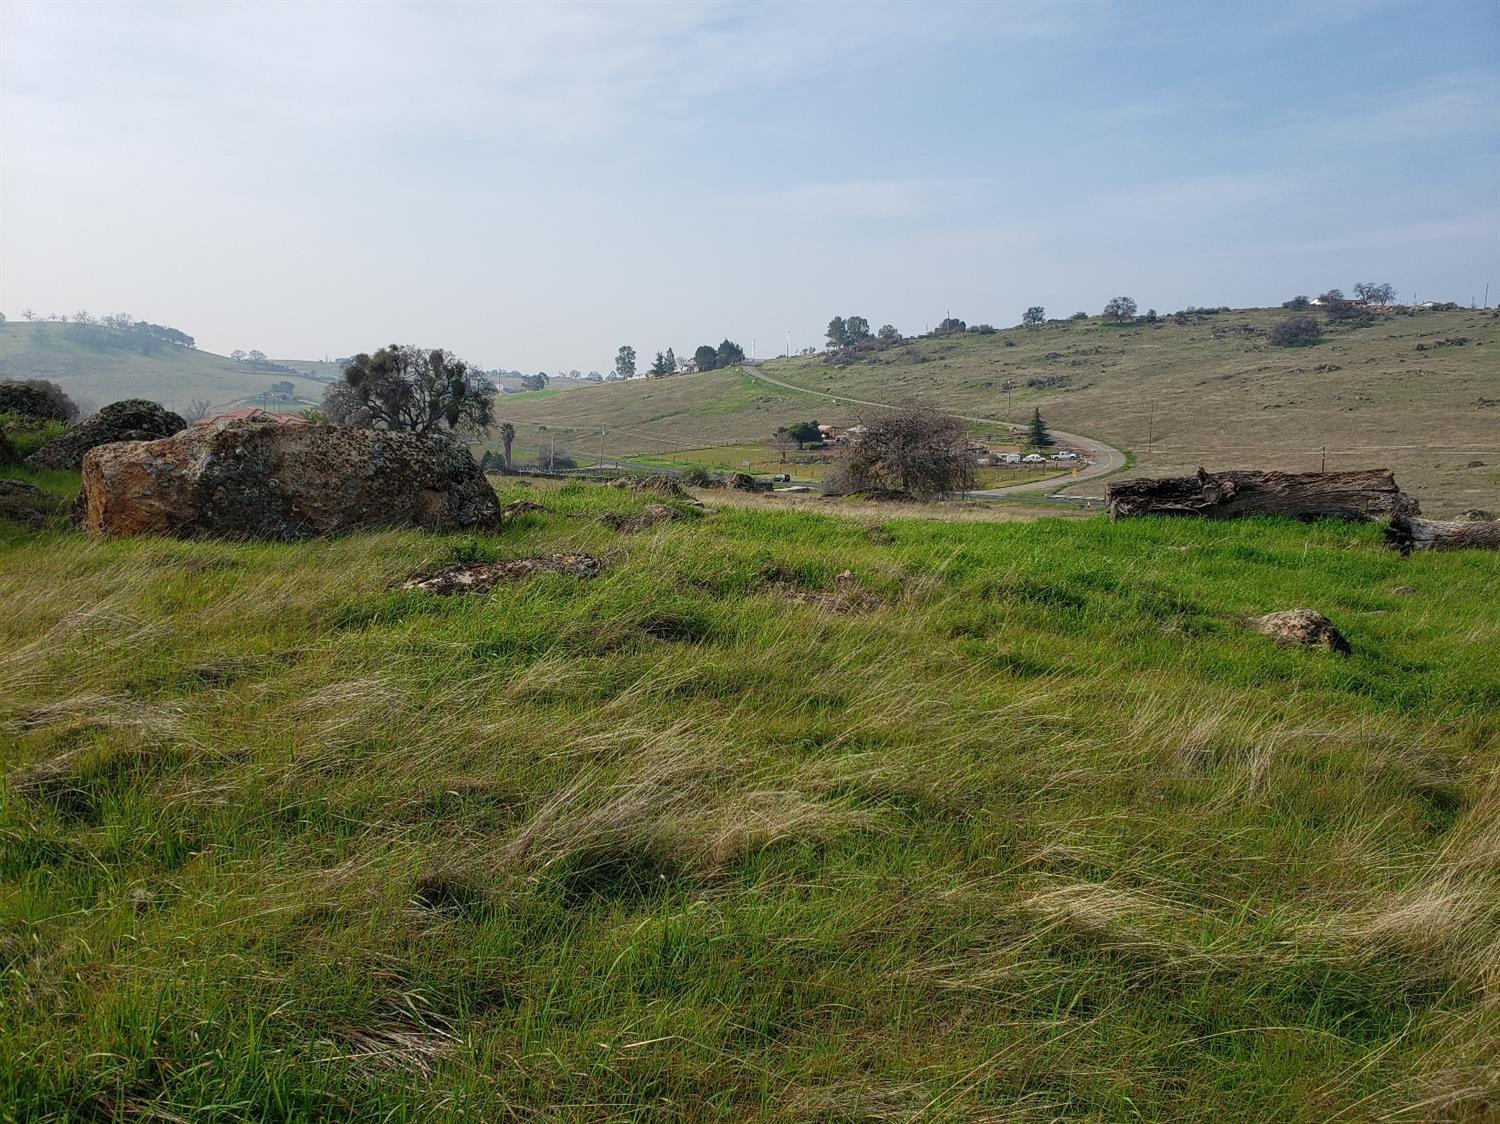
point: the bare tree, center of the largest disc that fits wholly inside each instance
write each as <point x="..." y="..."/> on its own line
<point x="197" y="408"/>
<point x="915" y="448"/>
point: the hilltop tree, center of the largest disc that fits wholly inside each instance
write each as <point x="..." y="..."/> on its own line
<point x="1120" y="308"/>
<point x="507" y="435"/>
<point x="1297" y="304"/>
<point x="671" y="358"/>
<point x="197" y="408"/>
<point x="1381" y="293"/>
<point x="28" y="315"/>
<point x="625" y="362"/>
<point x="1333" y="296"/>
<point x="1034" y="317"/>
<point x="706" y="358"/>
<point x="888" y="334"/>
<point x="951" y="326"/>
<point x="728" y="354"/>
<point x="412" y="389"/>
<point x="1036" y="435"/>
<point x="856" y="330"/>
<point x="660" y="368"/>
<point x="838" y="334"/>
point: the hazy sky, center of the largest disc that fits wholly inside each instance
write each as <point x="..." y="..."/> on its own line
<point x="533" y="185"/>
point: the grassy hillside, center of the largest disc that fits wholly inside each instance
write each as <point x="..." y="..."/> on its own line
<point x="1209" y="393"/>
<point x="171" y="375"/>
<point x="1015" y="822"/>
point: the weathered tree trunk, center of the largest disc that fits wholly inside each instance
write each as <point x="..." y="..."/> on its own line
<point x="1407" y="534"/>
<point x="1366" y="494"/>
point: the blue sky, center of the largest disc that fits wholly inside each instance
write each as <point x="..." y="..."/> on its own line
<point x="534" y="185"/>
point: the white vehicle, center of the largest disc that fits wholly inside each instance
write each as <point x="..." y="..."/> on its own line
<point x="1009" y="458"/>
<point x="1033" y="458"/>
<point x="1066" y="455"/>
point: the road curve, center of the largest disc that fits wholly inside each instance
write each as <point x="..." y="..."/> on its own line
<point x="1107" y="459"/>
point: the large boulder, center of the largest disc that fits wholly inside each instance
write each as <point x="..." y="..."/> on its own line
<point x="134" y="419"/>
<point x="263" y="480"/>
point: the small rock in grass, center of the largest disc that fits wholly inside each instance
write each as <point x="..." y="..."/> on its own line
<point x="648" y="516"/>
<point x="1303" y="627"/>
<point x="481" y="577"/>
<point x="1403" y="590"/>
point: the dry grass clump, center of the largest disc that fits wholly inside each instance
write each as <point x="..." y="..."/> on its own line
<point x="648" y="806"/>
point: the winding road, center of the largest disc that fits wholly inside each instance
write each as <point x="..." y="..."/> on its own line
<point x="1107" y="459"/>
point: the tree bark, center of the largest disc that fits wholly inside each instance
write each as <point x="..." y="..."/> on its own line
<point x="1362" y="495"/>
<point x="1408" y="534"/>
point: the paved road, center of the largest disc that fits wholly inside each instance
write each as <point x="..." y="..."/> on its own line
<point x="1107" y="459"/>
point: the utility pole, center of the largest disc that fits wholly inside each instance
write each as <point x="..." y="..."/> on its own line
<point x="602" y="432"/>
<point x="1324" y="466"/>
<point x="552" y="457"/>
<point x="788" y="343"/>
<point x="1486" y="295"/>
<point x="1150" y="424"/>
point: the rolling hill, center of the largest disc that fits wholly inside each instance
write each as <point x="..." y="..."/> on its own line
<point x="104" y="367"/>
<point x="1419" y="392"/>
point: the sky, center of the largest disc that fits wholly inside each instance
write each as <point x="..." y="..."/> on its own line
<point x="533" y="185"/>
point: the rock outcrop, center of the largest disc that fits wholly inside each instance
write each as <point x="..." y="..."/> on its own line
<point x="1362" y="494"/>
<point x="35" y="399"/>
<point x="27" y="504"/>
<point x="134" y="419"/>
<point x="1302" y="628"/>
<point x="263" y="480"/>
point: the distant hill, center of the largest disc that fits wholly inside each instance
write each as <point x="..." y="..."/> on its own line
<point x="1416" y="391"/>
<point x="103" y="367"/>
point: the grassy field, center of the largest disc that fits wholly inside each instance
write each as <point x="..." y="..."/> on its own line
<point x="172" y="376"/>
<point x="1016" y="822"/>
<point x="1397" y="393"/>
<point x="763" y="459"/>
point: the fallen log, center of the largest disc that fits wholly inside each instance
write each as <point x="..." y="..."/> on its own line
<point x="1362" y="495"/>
<point x="1407" y="534"/>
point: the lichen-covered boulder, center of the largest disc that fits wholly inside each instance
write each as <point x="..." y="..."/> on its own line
<point x="264" y="480"/>
<point x="134" y="419"/>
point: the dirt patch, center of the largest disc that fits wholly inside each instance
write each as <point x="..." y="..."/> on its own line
<point x="846" y="596"/>
<point x="481" y="577"/>
<point x="649" y="516"/>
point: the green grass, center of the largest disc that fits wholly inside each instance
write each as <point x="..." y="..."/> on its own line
<point x="1039" y="830"/>
<point x="172" y="376"/>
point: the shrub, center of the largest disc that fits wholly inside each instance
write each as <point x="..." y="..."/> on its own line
<point x="696" y="476"/>
<point x="1297" y="304"/>
<point x="915" y="448"/>
<point x="1296" y="331"/>
<point x="1079" y="316"/>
